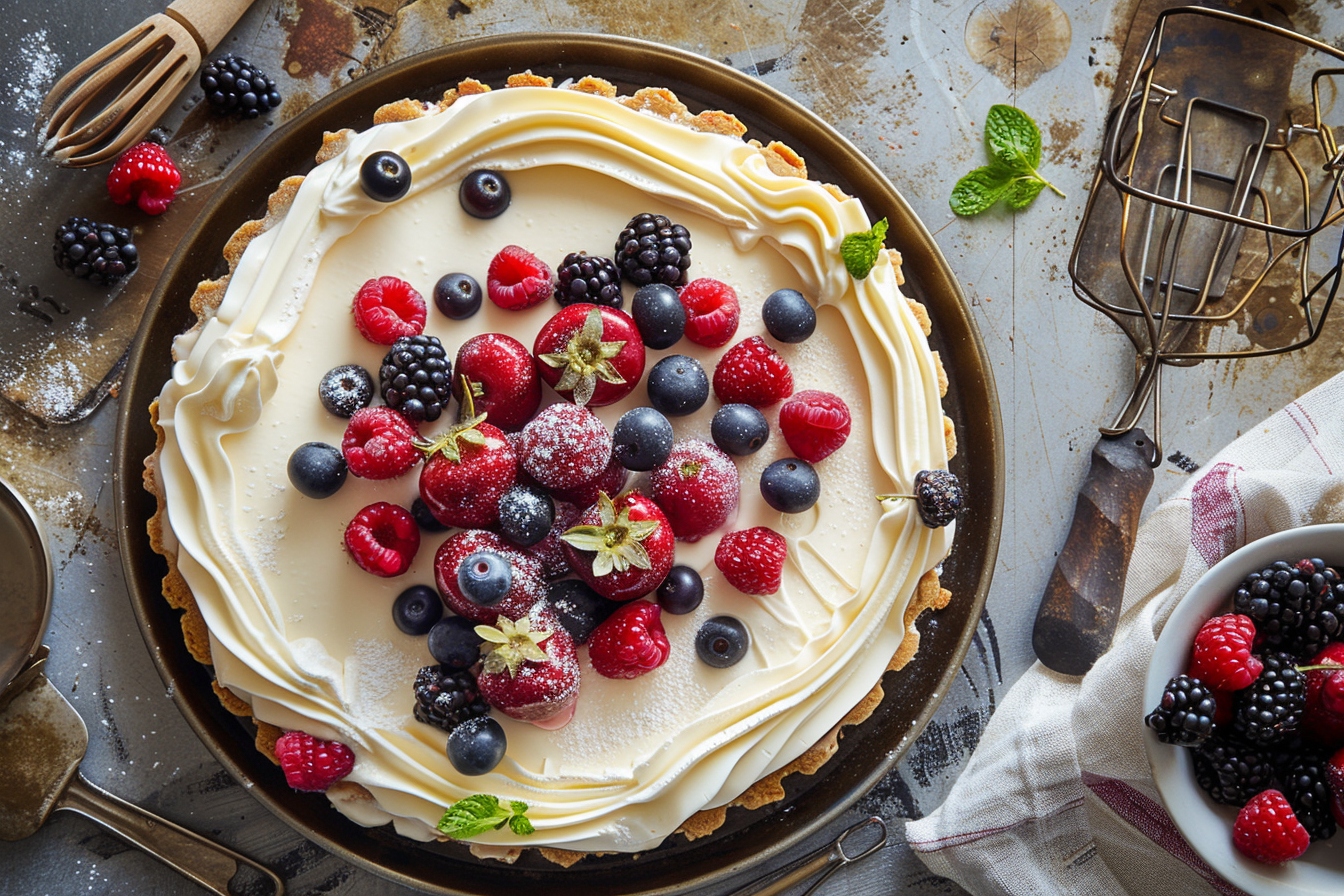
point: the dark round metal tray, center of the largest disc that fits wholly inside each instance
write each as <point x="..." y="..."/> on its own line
<point x="866" y="753"/>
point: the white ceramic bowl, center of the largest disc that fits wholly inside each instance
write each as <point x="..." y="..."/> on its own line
<point x="1205" y="824"/>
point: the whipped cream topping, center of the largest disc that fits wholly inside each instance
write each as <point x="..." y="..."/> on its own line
<point x="305" y="636"/>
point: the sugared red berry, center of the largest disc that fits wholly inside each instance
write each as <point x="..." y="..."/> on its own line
<point x="588" y="278"/>
<point x="753" y="373"/>
<point x="317" y="469"/>
<point x="385" y="176"/>
<point x="678" y="386"/>
<point x="752" y="560"/>
<point x="579" y="608"/>
<point x="698" y="488"/>
<point x="387" y="308"/>
<point x="345" y="389"/>
<point x="739" y="429"/>
<point x="383" y="539"/>
<point x="453" y="642"/>
<point x="722" y="641"/>
<point x="417" y="609"/>
<point x="484" y="194"/>
<point x="659" y="315"/>
<point x="424" y="518"/>
<point x="790" y="485"/>
<point x="712" y="311"/>
<point x="517" y="279"/>
<point x="379" y="444"/>
<point x="457" y="295"/>
<point x="630" y="643"/>
<point x="682" y="591"/>
<point x="144" y="174"/>
<point x="814" y="423"/>
<point x="789" y="317"/>
<point x="477" y="746"/>
<point x="416" y="377"/>
<point x="642" y="439"/>
<point x="565" y="446"/>
<point x="502" y="377"/>
<point x="485" y="577"/>
<point x="525" y="515"/>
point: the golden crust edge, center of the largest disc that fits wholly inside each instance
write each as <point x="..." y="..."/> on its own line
<point x="781" y="160"/>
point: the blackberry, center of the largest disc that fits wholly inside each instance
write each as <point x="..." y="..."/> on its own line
<point x="445" y="698"/>
<point x="1235" y="771"/>
<point x="99" y="253"/>
<point x="651" y="249"/>
<point x="1278" y="600"/>
<point x="1308" y="792"/>
<point x="416" y="377"/>
<point x="345" y="389"/>
<point x="1323" y="620"/>
<point x="234" y="86"/>
<point x="1185" y="715"/>
<point x="1271" y="708"/>
<point x="588" y="278"/>
<point x="938" y="493"/>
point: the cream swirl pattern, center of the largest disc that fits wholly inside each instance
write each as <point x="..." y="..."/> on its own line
<point x="304" y="636"/>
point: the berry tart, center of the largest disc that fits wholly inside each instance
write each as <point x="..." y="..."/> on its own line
<point x="471" y="566"/>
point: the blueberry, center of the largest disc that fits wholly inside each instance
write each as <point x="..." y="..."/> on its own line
<point x="454" y="643"/>
<point x="659" y="315"/>
<point x="485" y="577"/>
<point x="790" y="485"/>
<point x="417" y="609"/>
<point x="682" y="591"/>
<point x="579" y="608"/>
<point x="739" y="429"/>
<point x="678" y="386"/>
<point x="788" y="316"/>
<point x="424" y="518"/>
<point x="317" y="469"/>
<point x="484" y="194"/>
<point x="385" y="176"/>
<point x="722" y="641"/>
<point x="345" y="389"/>
<point x="525" y="515"/>
<point x="457" y="295"/>
<point x="642" y="439"/>
<point x="477" y="745"/>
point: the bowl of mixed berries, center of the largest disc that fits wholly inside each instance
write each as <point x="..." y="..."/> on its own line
<point x="1246" y="730"/>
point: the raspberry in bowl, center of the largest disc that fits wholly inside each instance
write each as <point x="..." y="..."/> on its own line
<point x="1210" y="826"/>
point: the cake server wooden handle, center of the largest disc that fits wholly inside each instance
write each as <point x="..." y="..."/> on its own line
<point x="1077" y="616"/>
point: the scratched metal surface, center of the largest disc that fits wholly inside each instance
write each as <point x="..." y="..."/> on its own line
<point x="909" y="82"/>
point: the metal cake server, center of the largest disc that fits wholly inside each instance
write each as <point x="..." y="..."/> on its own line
<point x="42" y="740"/>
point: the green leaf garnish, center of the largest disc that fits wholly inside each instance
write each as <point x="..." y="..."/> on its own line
<point x="474" y="815"/>
<point x="1014" y="145"/>
<point x="860" y="250"/>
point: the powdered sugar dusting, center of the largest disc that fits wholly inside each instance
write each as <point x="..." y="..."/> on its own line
<point x="565" y="445"/>
<point x="39" y="64"/>
<point x="376" y="677"/>
<point x="697" y="487"/>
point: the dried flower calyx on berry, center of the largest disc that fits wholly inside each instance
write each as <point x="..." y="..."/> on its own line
<point x="585" y="360"/>
<point x="616" y="542"/>
<point x="511" y="644"/>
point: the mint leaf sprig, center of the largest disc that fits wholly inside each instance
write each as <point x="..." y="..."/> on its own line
<point x="474" y="815"/>
<point x="860" y="250"/>
<point x="1014" y="145"/>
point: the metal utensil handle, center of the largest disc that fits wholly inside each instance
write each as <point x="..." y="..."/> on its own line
<point x="830" y="857"/>
<point x="207" y="863"/>
<point x="1078" y="614"/>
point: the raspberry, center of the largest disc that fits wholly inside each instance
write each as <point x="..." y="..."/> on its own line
<point x="517" y="279"/>
<point x="752" y="559"/>
<point x="712" y="311"/>
<point x="814" y="423"/>
<point x="311" y="764"/>
<point x="383" y="539"/>
<point x="753" y="373"/>
<point x="697" y="487"/>
<point x="387" y="308"/>
<point x="565" y="446"/>
<point x="1267" y="831"/>
<point x="146" y="174"/>
<point x="379" y="444"/>
<point x="630" y="642"/>
<point x="1222" y="653"/>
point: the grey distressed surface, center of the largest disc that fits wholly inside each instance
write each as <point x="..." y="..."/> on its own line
<point x="898" y="80"/>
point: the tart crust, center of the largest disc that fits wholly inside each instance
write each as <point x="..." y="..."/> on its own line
<point x="205" y="301"/>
